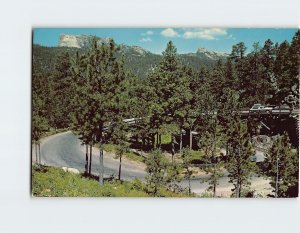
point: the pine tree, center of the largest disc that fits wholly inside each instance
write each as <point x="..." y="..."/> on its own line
<point x="173" y="175"/>
<point x="186" y="165"/>
<point x="253" y="78"/>
<point x="168" y="86"/>
<point x="238" y="51"/>
<point x="230" y="76"/>
<point x="81" y="105"/>
<point x="238" y="164"/>
<point x="292" y="75"/>
<point x="119" y="137"/>
<point x="217" y="80"/>
<point x="98" y="81"/>
<point x="268" y="53"/>
<point x="281" y="72"/>
<point x="156" y="171"/>
<point x="61" y="92"/>
<point x="40" y="121"/>
<point x="209" y="140"/>
<point x="281" y="166"/>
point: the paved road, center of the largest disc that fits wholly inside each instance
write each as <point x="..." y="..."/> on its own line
<point x="64" y="149"/>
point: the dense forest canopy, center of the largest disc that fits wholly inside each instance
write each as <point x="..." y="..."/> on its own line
<point x="266" y="74"/>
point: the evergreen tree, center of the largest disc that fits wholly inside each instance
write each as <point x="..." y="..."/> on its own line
<point x="217" y="80"/>
<point x="281" y="166"/>
<point x="38" y="126"/>
<point x="61" y="92"/>
<point x="238" y="163"/>
<point x="186" y="165"/>
<point x="294" y="57"/>
<point x="119" y="137"/>
<point x="268" y="53"/>
<point x="173" y="175"/>
<point x="81" y="103"/>
<point x="97" y="89"/>
<point x="39" y="112"/>
<point x="238" y="51"/>
<point x="230" y="76"/>
<point x="140" y="100"/>
<point x="156" y="171"/>
<point x="167" y="84"/>
<point x="253" y="79"/>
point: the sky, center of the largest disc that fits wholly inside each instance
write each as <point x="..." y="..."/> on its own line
<point x="186" y="40"/>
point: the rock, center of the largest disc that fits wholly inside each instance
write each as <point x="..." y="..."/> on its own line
<point x="79" y="41"/>
<point x="73" y="170"/>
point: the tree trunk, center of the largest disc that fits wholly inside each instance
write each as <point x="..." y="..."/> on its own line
<point x="153" y="141"/>
<point x="215" y="181"/>
<point x="142" y="145"/>
<point x="180" y="145"/>
<point x="91" y="155"/>
<point x="120" y="167"/>
<point x="157" y="140"/>
<point x="238" y="186"/>
<point x="36" y="153"/>
<point x="215" y="163"/>
<point x="227" y="151"/>
<point x="191" y="139"/>
<point x="101" y="172"/>
<point x="173" y="147"/>
<point x="86" y="158"/>
<point x="40" y="157"/>
<point x="277" y="175"/>
<point x="189" y="182"/>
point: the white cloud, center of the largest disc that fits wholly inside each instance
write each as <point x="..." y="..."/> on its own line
<point x="146" y="39"/>
<point x="169" y="32"/>
<point x="207" y="34"/>
<point x="147" y="33"/>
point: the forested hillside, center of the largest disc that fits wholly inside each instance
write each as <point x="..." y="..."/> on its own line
<point x="137" y="60"/>
<point x="91" y="90"/>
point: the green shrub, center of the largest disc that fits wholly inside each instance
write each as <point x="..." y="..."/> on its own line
<point x="165" y="139"/>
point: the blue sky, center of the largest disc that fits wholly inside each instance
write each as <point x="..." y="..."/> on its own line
<point x="185" y="39"/>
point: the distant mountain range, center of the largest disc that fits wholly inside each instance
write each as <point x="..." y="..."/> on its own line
<point x="137" y="59"/>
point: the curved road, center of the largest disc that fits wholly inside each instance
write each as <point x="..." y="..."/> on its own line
<point x="65" y="150"/>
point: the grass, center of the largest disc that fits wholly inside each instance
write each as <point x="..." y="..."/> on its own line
<point x="134" y="156"/>
<point x="111" y="148"/>
<point x="54" y="182"/>
<point x="197" y="154"/>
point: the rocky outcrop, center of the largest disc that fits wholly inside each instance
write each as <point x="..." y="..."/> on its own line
<point x="213" y="55"/>
<point x="79" y="41"/>
<point x="82" y="41"/>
